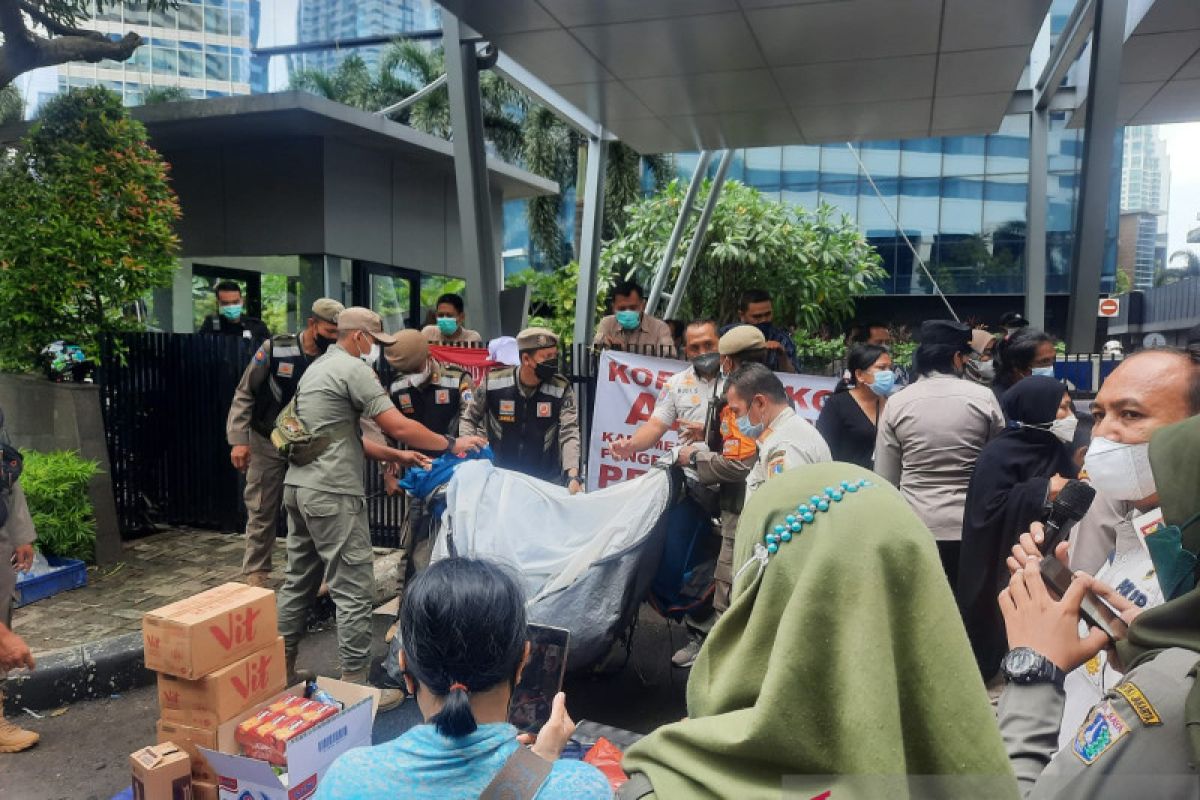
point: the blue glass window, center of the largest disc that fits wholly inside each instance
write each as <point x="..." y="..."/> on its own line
<point x="837" y="164"/>
<point x="763" y="168"/>
<point x="921" y="158"/>
<point x="963" y="155"/>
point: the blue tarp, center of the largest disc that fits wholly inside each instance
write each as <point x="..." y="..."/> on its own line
<point x="423" y="482"/>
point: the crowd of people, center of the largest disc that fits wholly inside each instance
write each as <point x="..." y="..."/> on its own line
<point x="883" y="621"/>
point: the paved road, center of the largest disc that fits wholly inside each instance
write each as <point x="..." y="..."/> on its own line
<point x="84" y="752"/>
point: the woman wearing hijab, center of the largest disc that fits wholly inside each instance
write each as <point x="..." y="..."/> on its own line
<point x="841" y="660"/>
<point x="1143" y="738"/>
<point x="980" y="368"/>
<point x="1017" y="474"/>
<point x="1019" y="355"/>
<point x="849" y="416"/>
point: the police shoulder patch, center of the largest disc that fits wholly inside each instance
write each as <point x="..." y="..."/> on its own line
<point x="264" y="353"/>
<point x="1100" y="731"/>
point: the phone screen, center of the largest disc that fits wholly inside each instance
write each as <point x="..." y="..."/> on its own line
<point x="541" y="679"/>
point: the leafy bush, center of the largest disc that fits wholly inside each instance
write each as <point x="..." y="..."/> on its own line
<point x="812" y="262"/>
<point x="56" y="488"/>
<point x="87" y="226"/>
<point x="552" y="298"/>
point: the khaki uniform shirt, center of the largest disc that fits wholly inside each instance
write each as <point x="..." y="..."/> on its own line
<point x="650" y="333"/>
<point x="685" y="396"/>
<point x="1095" y="536"/>
<point x="18" y="528"/>
<point x="433" y="334"/>
<point x="241" y="410"/>
<point x="1133" y="744"/>
<point x="335" y="392"/>
<point x="929" y="439"/>
<point x="789" y="442"/>
<point x="474" y="422"/>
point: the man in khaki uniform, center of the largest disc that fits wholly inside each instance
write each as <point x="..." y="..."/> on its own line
<point x="268" y="385"/>
<point x="16" y="553"/>
<point x="449" y="328"/>
<point x="528" y="414"/>
<point x="328" y="533"/>
<point x="629" y="327"/>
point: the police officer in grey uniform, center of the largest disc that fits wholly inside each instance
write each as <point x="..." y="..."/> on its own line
<point x="267" y="385"/>
<point x="529" y="415"/>
<point x="328" y="533"/>
<point x="16" y="554"/>
<point x="1141" y="740"/>
<point x="436" y="395"/>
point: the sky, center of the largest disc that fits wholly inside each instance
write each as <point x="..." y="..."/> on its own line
<point x="1183" y="146"/>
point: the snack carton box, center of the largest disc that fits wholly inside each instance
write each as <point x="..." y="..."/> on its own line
<point x="161" y="772"/>
<point x="308" y="754"/>
<point x="208" y="701"/>
<point x="210" y="630"/>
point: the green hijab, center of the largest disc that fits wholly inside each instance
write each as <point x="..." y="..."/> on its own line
<point x="843" y="656"/>
<point x="1175" y="462"/>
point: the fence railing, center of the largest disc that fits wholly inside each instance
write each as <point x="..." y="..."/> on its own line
<point x="166" y="397"/>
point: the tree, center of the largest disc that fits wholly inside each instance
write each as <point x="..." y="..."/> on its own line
<point x="1123" y="283"/>
<point x="88" y="226"/>
<point x="812" y="263"/>
<point x="12" y="105"/>
<point x="157" y="95"/>
<point x="42" y="33"/>
<point x="552" y="298"/>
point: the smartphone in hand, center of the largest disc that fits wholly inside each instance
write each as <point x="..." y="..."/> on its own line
<point x="1095" y="612"/>
<point x="541" y="679"/>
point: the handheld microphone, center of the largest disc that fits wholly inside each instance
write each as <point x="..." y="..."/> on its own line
<point x="1068" y="508"/>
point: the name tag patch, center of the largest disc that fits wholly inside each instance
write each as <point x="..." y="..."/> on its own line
<point x="776" y="465"/>
<point x="543" y="410"/>
<point x="406" y="403"/>
<point x="441" y="397"/>
<point x="285" y="369"/>
<point x="1141" y="706"/>
<point x="1100" y="731"/>
<point x="508" y="410"/>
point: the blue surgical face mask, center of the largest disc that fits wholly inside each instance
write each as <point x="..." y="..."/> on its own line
<point x="231" y="312"/>
<point x="628" y="320"/>
<point x="447" y="325"/>
<point x="1045" y="372"/>
<point x="749" y="429"/>
<point x="885" y="383"/>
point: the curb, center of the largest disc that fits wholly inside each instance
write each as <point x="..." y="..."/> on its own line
<point x="110" y="666"/>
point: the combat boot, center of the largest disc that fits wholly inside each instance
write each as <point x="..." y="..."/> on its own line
<point x="294" y="676"/>
<point x="388" y="699"/>
<point x="12" y="738"/>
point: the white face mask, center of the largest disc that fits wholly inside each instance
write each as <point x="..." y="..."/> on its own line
<point x="986" y="369"/>
<point x="371" y="357"/>
<point x="1064" y="429"/>
<point x="1121" y="471"/>
<point x="419" y="378"/>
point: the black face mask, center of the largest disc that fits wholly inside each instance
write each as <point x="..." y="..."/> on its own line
<point x="707" y="365"/>
<point x="545" y="370"/>
<point x="322" y="342"/>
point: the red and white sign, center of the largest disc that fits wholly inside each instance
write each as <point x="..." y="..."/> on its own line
<point x="627" y="386"/>
<point x="1110" y="307"/>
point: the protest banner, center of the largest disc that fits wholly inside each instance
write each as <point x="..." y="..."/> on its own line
<point x="627" y="386"/>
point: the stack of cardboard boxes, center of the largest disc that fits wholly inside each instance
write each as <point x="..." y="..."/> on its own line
<point x="217" y="654"/>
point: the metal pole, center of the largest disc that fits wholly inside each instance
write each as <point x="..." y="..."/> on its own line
<point x="1035" y="228"/>
<point x="481" y="258"/>
<point x="689" y="261"/>
<point x="1095" y="180"/>
<point x="589" y="241"/>
<point x="685" y="211"/>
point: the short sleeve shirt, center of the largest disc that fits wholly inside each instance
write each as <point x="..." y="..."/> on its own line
<point x="684" y="396"/>
<point x="334" y="394"/>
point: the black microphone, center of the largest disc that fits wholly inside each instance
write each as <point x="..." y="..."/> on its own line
<point x="1068" y="508"/>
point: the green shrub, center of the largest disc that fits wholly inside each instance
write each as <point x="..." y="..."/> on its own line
<point x="56" y="487"/>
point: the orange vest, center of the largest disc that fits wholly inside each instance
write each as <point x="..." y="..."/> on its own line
<point x="734" y="445"/>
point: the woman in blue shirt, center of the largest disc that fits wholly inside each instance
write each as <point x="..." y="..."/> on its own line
<point x="462" y="625"/>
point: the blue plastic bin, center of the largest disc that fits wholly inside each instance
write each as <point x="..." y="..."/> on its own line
<point x="68" y="573"/>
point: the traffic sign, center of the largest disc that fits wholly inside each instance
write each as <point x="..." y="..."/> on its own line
<point x="1109" y="306"/>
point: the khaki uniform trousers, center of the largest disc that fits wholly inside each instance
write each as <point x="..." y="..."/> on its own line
<point x="723" y="574"/>
<point x="329" y="539"/>
<point x="263" y="497"/>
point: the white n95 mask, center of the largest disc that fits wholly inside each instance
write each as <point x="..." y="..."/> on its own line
<point x="1121" y="471"/>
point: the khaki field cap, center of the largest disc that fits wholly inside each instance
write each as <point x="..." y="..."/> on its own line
<point x="357" y="318"/>
<point x="536" y="339"/>
<point x="740" y="339"/>
<point x="409" y="352"/>
<point x="327" y="309"/>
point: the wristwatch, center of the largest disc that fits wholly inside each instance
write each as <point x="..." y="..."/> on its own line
<point x="450" y="442"/>
<point x="1026" y="665"/>
<point x="691" y="462"/>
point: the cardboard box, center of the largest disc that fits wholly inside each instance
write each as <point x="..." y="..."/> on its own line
<point x="308" y="755"/>
<point x="202" y="790"/>
<point x="226" y="692"/>
<point x="161" y="772"/>
<point x="208" y="631"/>
<point x="190" y="740"/>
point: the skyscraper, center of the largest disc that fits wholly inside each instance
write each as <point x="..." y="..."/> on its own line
<point x="1146" y="193"/>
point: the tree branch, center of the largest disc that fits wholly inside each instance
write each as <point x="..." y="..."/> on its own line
<point x="54" y="26"/>
<point x="23" y="51"/>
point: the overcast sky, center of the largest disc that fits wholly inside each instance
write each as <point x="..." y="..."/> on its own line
<point x="1183" y="146"/>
